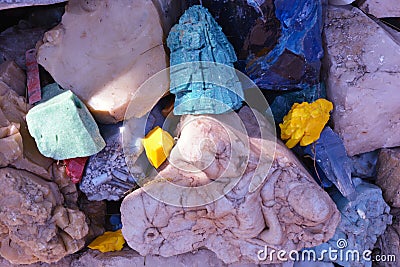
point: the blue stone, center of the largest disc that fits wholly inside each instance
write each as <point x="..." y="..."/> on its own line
<point x="331" y="158"/>
<point x="294" y="63"/>
<point x="362" y="221"/>
<point x="115" y="221"/>
<point x="201" y="86"/>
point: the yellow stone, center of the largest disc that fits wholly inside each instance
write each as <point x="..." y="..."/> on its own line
<point x="305" y="122"/>
<point x="158" y="144"/>
<point x="109" y="241"/>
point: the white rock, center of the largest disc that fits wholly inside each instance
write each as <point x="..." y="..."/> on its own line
<point x="6" y="4"/>
<point x="104" y="50"/>
<point x="381" y="8"/>
<point x="363" y="68"/>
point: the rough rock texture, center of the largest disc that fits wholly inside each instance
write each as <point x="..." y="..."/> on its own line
<point x="104" y="50"/>
<point x="389" y="242"/>
<point x="13" y="76"/>
<point x="77" y="136"/>
<point x="132" y="258"/>
<point x="95" y="212"/>
<point x="64" y="262"/>
<point x="388" y="175"/>
<point x="17" y="147"/>
<point x="380" y="8"/>
<point x="16" y="40"/>
<point x="209" y="95"/>
<point x="364" y="165"/>
<point x="128" y="258"/>
<point x="295" y="61"/>
<point x="106" y="176"/>
<point x="363" y="66"/>
<point x="340" y="2"/>
<point x="284" y="208"/>
<point x="39" y="217"/>
<point x="6" y="4"/>
<point x="363" y="220"/>
<point x="35" y="225"/>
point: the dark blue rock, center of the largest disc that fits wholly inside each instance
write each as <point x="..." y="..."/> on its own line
<point x="115" y="221"/>
<point x="364" y="165"/>
<point x="107" y="176"/>
<point x="294" y="63"/>
<point x="201" y="87"/>
<point x="156" y="117"/>
<point x="331" y="157"/>
<point x="282" y="103"/>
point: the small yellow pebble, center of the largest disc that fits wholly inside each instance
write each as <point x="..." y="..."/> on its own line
<point x="305" y="122"/>
<point x="109" y="241"/>
<point x="158" y="144"/>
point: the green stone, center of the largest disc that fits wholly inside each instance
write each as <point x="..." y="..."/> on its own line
<point x="63" y="128"/>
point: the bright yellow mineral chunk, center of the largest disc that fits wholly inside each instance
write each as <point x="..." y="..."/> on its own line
<point x="109" y="241"/>
<point x="305" y="122"/>
<point x="158" y="144"/>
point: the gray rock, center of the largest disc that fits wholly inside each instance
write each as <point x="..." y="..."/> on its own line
<point x="363" y="220"/>
<point x="388" y="244"/>
<point x="364" y="165"/>
<point x="107" y="176"/>
<point x="381" y="8"/>
<point x="363" y="66"/>
<point x="128" y="258"/>
<point x="285" y="210"/>
<point x="313" y="264"/>
<point x="16" y="40"/>
<point x="6" y="4"/>
<point x="113" y="61"/>
<point x="388" y="175"/>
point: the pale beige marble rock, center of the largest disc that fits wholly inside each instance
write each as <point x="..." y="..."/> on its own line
<point x="362" y="66"/>
<point x="288" y="210"/>
<point x="104" y="50"/>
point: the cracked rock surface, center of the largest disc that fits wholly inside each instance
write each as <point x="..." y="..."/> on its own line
<point x="6" y="4"/>
<point x="39" y="217"/>
<point x="363" y="65"/>
<point x="389" y="242"/>
<point x="288" y="210"/>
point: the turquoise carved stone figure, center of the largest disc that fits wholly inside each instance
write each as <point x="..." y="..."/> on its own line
<point x="207" y="83"/>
